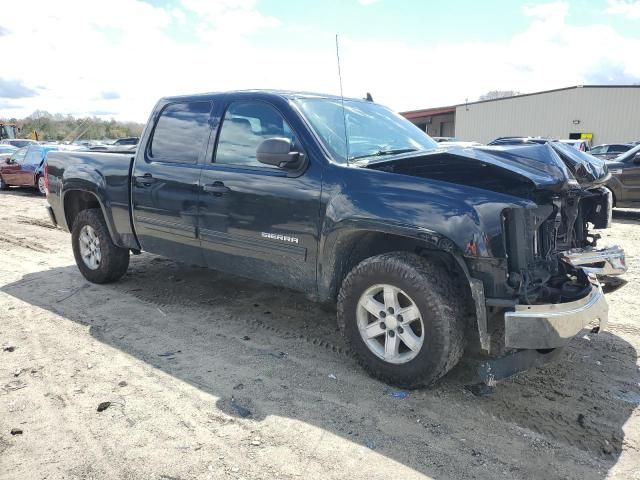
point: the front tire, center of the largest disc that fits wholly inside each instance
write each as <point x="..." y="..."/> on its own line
<point x="98" y="258"/>
<point x="403" y="317"/>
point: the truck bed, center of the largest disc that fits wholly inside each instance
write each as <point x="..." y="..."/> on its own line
<point x="105" y="174"/>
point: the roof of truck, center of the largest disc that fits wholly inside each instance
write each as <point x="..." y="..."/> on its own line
<point x="277" y="93"/>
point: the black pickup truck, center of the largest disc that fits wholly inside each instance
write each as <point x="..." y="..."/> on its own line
<point x="428" y="252"/>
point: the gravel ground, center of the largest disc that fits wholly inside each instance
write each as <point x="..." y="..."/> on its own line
<point x="211" y="376"/>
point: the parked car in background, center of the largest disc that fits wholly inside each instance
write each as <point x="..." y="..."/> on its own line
<point x="519" y="141"/>
<point x="625" y="179"/>
<point x="18" y="142"/>
<point x="609" y="151"/>
<point x="582" y="145"/>
<point x="25" y="168"/>
<point x="127" y="144"/>
<point x="445" y="139"/>
<point x="126" y="141"/>
<point x="6" y="151"/>
<point x="460" y="144"/>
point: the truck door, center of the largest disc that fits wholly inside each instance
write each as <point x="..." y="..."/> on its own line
<point x="27" y="173"/>
<point x="256" y="220"/>
<point x="165" y="181"/>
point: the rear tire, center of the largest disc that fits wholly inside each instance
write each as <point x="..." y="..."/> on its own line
<point x="40" y="184"/>
<point x="98" y="258"/>
<point x="3" y="184"/>
<point x="436" y="335"/>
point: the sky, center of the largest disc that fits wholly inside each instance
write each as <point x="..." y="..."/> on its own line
<point x="116" y="59"/>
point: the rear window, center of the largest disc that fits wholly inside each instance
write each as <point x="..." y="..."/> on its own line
<point x="181" y="132"/>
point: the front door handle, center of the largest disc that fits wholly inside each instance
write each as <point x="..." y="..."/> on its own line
<point x="145" y="180"/>
<point x="217" y="188"/>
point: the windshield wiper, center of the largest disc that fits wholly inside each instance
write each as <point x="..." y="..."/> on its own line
<point x="381" y="153"/>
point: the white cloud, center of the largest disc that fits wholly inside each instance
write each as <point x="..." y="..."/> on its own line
<point x="628" y="9"/>
<point x="366" y="3"/>
<point x="140" y="53"/>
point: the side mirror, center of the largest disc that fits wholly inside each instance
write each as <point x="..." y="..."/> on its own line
<point x="277" y="152"/>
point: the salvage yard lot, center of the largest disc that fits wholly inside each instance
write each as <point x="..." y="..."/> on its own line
<point x="211" y="376"/>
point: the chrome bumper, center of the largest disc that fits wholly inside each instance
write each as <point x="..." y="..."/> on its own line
<point x="553" y="325"/>
<point x="607" y="261"/>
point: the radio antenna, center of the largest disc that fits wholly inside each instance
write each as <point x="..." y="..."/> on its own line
<point x="344" y="113"/>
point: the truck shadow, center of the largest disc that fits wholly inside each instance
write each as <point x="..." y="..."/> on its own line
<point x="194" y="323"/>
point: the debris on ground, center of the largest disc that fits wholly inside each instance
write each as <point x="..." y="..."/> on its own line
<point x="14" y="385"/>
<point x="607" y="448"/>
<point x="8" y="348"/>
<point x="581" y="420"/>
<point x="169" y="354"/>
<point x="103" y="406"/>
<point x="239" y="409"/>
<point x="16" y="431"/>
<point x="332" y="376"/>
<point x="122" y="384"/>
<point x="480" y="389"/>
<point x="369" y="444"/>
<point x="399" y="394"/>
<point x="246" y="337"/>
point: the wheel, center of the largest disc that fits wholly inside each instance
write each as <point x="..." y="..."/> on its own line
<point x="403" y="317"/>
<point x="3" y="185"/>
<point x="97" y="257"/>
<point x="41" y="187"/>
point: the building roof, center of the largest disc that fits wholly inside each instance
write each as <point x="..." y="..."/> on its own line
<point x="438" y="110"/>
<point x="428" y="112"/>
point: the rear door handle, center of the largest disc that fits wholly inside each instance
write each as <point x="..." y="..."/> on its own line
<point x="217" y="188"/>
<point x="145" y="180"/>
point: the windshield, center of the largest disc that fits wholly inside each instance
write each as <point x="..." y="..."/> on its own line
<point x="373" y="130"/>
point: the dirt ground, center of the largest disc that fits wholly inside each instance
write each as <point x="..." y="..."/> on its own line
<point x="213" y="377"/>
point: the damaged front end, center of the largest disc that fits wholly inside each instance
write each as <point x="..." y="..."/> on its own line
<point x="553" y="260"/>
<point x="539" y="287"/>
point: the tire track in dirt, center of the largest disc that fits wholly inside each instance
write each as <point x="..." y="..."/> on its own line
<point x="23" y="242"/>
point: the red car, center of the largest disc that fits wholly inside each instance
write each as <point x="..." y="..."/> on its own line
<point x="25" y="168"/>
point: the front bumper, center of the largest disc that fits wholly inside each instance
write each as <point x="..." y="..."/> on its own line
<point x="553" y="325"/>
<point x="607" y="261"/>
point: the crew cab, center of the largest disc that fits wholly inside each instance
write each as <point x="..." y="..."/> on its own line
<point x="428" y="252"/>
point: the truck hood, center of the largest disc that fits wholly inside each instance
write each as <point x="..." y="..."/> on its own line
<point x="506" y="168"/>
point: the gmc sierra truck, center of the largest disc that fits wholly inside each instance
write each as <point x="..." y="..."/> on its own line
<point x="427" y="252"/>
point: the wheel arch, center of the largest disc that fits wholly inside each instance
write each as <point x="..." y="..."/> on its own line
<point x="76" y="200"/>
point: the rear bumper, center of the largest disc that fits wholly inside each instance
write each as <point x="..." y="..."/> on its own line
<point x="553" y="325"/>
<point x="607" y="261"/>
<point x="52" y="216"/>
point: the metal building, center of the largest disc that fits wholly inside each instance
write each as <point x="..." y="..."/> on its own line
<point x="603" y="114"/>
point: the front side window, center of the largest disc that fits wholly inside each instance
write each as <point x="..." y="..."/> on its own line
<point x="600" y="150"/>
<point x="18" y="157"/>
<point x="181" y="132"/>
<point x="372" y="130"/>
<point x="245" y="126"/>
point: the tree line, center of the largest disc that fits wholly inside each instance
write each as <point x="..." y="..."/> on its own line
<point x="59" y="127"/>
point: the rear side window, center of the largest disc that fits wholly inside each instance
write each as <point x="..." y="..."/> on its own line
<point x="34" y="157"/>
<point x="181" y="132"/>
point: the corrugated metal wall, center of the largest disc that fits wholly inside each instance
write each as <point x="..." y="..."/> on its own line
<point x="611" y="114"/>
